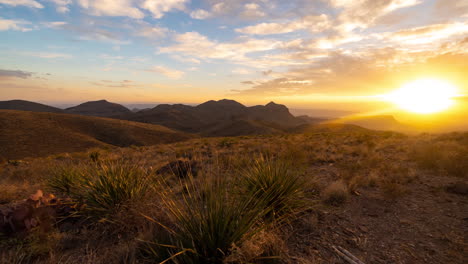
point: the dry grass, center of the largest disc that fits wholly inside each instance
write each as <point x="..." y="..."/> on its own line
<point x="336" y="193"/>
<point x="340" y="164"/>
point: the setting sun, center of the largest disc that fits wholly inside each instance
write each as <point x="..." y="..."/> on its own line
<point x="424" y="96"/>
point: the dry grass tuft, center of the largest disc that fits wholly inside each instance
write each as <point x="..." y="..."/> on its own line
<point x="336" y="193"/>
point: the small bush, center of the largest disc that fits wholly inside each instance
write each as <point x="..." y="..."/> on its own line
<point x="335" y="194"/>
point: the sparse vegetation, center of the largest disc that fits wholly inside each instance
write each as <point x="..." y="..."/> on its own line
<point x="242" y="204"/>
<point x="336" y="193"/>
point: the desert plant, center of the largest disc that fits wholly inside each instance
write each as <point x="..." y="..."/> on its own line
<point x="336" y="193"/>
<point x="65" y="179"/>
<point x="207" y="222"/>
<point x="94" y="156"/>
<point x="275" y="182"/>
<point x="107" y="186"/>
<point x="454" y="162"/>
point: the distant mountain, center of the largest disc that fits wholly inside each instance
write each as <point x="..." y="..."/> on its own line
<point x="329" y="128"/>
<point x="28" y="106"/>
<point x="219" y="118"/>
<point x="100" y="108"/>
<point x="311" y="120"/>
<point x="377" y="122"/>
<point x="30" y="134"/>
<point x="212" y="118"/>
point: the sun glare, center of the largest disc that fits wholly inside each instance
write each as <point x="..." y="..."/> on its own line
<point x="424" y="96"/>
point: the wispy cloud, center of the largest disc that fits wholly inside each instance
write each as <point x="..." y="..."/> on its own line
<point x="5" y="74"/>
<point x="311" y="23"/>
<point x="62" y="6"/>
<point x="116" y="84"/>
<point x="199" y="46"/>
<point x="18" y="25"/>
<point x="47" y="55"/>
<point x="168" y="72"/>
<point x="200" y="14"/>
<point x="28" y="3"/>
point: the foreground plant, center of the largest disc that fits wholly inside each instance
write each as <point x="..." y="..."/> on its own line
<point x="276" y="183"/>
<point x="206" y="222"/>
<point x="103" y="187"/>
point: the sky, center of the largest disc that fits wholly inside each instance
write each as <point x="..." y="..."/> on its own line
<point x="327" y="54"/>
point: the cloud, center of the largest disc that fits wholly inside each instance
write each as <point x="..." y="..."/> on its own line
<point x="456" y="8"/>
<point x="28" y="3"/>
<point x="6" y="74"/>
<point x="62" y="5"/>
<point x="311" y="23"/>
<point x="169" y="73"/>
<point x="47" y="55"/>
<point x="240" y="71"/>
<point x="116" y="84"/>
<point x="199" y="46"/>
<point x="375" y="70"/>
<point x="150" y="32"/>
<point x="91" y="30"/>
<point x="54" y="24"/>
<point x="363" y="13"/>
<point x="200" y="14"/>
<point x="252" y="10"/>
<point x="159" y="7"/>
<point x="18" y="25"/>
<point x="428" y="34"/>
<point x="112" y="8"/>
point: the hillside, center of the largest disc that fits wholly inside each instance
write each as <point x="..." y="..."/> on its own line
<point x="28" y="106"/>
<point x="30" y="134"/>
<point x="336" y="187"/>
<point x="100" y="108"/>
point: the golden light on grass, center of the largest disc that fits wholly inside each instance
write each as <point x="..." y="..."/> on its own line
<point x="424" y="96"/>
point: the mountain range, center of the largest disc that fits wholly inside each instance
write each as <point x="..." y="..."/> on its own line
<point x="211" y="118"/>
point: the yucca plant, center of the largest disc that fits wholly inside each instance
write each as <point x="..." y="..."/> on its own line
<point x="276" y="183"/>
<point x="207" y="222"/>
<point x="65" y="180"/>
<point x="107" y="186"/>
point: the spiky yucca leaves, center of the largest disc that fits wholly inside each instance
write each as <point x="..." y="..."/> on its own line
<point x="207" y="221"/>
<point x="102" y="187"/>
<point x="65" y="180"/>
<point x="276" y="183"/>
<point x="107" y="186"/>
